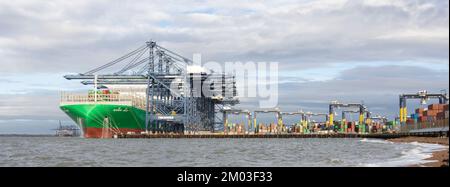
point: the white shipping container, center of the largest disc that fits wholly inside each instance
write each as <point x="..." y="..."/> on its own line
<point x="446" y="114"/>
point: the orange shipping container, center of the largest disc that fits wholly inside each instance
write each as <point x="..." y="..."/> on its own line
<point x="430" y="112"/>
<point x="419" y="111"/>
<point x="446" y="107"/>
<point x="436" y="107"/>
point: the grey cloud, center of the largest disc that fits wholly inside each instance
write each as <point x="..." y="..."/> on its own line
<point x="41" y="105"/>
<point x="377" y="87"/>
<point x="8" y="81"/>
<point x="62" y="36"/>
<point x="356" y="32"/>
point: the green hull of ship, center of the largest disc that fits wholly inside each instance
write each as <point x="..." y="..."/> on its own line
<point x="93" y="116"/>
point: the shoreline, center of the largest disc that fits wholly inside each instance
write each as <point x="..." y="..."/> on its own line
<point x="440" y="158"/>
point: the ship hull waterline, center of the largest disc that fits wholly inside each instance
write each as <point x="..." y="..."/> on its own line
<point x="105" y="120"/>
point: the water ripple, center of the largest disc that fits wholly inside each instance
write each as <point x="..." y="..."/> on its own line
<point x="68" y="152"/>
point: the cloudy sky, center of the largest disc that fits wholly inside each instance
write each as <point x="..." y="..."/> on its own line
<point x="352" y="51"/>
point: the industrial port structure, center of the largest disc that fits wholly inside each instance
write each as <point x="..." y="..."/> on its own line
<point x="431" y="118"/>
<point x="423" y="96"/>
<point x="173" y="93"/>
<point x="67" y="130"/>
<point x="175" y="96"/>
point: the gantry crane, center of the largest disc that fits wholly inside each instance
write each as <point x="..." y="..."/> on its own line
<point x="362" y="110"/>
<point x="308" y="115"/>
<point x="277" y="115"/>
<point x="302" y="116"/>
<point x="423" y="96"/>
<point x="226" y="112"/>
<point x="171" y="89"/>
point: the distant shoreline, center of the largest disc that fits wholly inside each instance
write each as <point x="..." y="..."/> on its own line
<point x="27" y="135"/>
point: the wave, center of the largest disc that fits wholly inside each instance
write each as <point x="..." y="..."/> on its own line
<point x="375" y="141"/>
<point x="417" y="155"/>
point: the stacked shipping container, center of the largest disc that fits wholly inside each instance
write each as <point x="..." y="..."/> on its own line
<point x="443" y="114"/>
<point x="433" y="110"/>
<point x="432" y="116"/>
<point x="432" y="113"/>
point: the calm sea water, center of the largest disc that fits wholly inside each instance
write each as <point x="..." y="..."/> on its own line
<point x="60" y="151"/>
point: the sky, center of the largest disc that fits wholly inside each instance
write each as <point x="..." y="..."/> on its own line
<point x="346" y="50"/>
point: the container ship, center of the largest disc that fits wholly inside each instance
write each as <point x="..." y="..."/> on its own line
<point x="105" y="111"/>
<point x="148" y="90"/>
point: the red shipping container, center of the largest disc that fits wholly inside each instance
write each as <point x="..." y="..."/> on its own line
<point x="423" y="118"/>
<point x="409" y="121"/>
